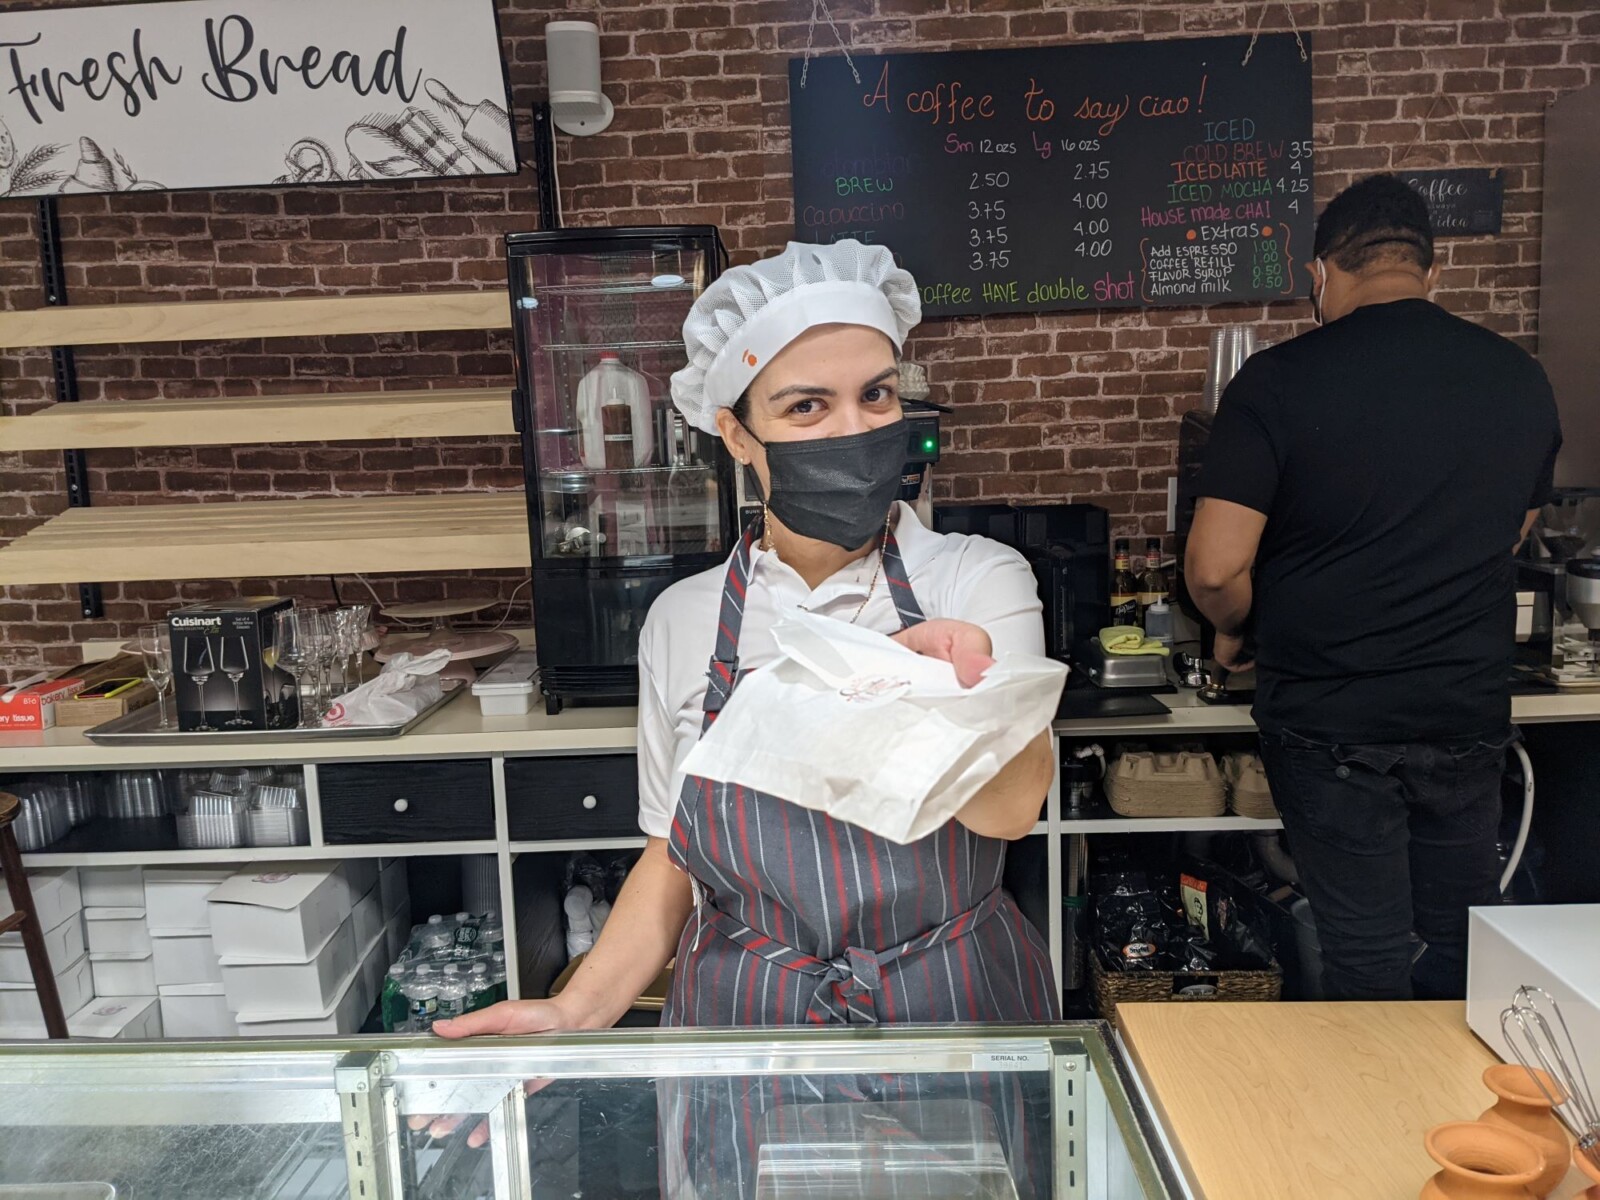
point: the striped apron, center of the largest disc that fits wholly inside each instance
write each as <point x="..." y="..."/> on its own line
<point x="803" y="920"/>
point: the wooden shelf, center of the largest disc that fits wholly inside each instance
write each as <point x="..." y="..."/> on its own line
<point x="240" y="420"/>
<point x="273" y="538"/>
<point x="288" y="316"/>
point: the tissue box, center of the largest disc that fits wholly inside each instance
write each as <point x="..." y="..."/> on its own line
<point x="55" y="895"/>
<point x="123" y="974"/>
<point x="34" y="707"/>
<point x="1551" y="946"/>
<point x="64" y="945"/>
<point x="196" y="1010"/>
<point x="220" y="634"/>
<point x="283" y="912"/>
<point x="117" y="931"/>
<point x="190" y="959"/>
<point x="112" y="887"/>
<point x="175" y="897"/>
<point x="20" y="1002"/>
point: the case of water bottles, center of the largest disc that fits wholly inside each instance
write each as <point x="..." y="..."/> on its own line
<point x="451" y="965"/>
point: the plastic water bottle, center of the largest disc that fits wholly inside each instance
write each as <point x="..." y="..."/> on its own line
<point x="465" y="938"/>
<point x="579" y="906"/>
<point x="491" y="934"/>
<point x="453" y="993"/>
<point x="394" y="1005"/>
<point x="497" y="978"/>
<point x="434" y="937"/>
<point x="481" y="988"/>
<point x="422" y="1000"/>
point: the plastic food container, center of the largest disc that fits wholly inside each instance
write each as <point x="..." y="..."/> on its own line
<point x="507" y="689"/>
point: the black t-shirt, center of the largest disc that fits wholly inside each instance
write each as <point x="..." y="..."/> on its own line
<point x="1395" y="453"/>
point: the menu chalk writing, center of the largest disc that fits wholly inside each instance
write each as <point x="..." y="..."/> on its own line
<point x="1461" y="201"/>
<point x="1066" y="177"/>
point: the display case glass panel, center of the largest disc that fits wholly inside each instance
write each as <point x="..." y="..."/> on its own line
<point x="974" y="1113"/>
<point x="620" y="474"/>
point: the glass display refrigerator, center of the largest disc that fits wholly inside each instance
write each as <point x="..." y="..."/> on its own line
<point x="979" y="1112"/>
<point x="624" y="498"/>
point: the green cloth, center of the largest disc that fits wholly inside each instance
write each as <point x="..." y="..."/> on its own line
<point x="1128" y="639"/>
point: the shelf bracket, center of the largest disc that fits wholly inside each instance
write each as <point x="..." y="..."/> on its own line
<point x="369" y="1111"/>
<point x="64" y="371"/>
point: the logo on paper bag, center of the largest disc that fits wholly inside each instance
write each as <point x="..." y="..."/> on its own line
<point x="870" y="691"/>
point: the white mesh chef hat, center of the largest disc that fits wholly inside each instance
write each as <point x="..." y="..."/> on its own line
<point x="751" y="313"/>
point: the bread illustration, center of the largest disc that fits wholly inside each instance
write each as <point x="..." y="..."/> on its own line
<point x="95" y="172"/>
<point x="485" y="127"/>
<point x="411" y="145"/>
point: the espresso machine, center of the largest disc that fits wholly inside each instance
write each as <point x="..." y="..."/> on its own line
<point x="1556" y="594"/>
<point x="1580" y="665"/>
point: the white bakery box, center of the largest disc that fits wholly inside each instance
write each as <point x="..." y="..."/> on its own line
<point x="56" y="895"/>
<point x="63" y="944"/>
<point x="1555" y="947"/>
<point x="122" y="1018"/>
<point x="19" y="1002"/>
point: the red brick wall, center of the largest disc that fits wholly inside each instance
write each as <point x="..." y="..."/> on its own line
<point x="1079" y="406"/>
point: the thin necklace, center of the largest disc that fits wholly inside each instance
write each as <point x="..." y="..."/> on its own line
<point x="888" y="522"/>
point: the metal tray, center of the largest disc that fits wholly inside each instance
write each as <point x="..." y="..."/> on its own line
<point x="140" y="728"/>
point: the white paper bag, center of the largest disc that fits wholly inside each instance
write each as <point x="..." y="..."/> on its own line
<point x="853" y="724"/>
<point x="407" y="684"/>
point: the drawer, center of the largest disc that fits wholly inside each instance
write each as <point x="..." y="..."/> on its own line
<point x="559" y="798"/>
<point x="406" y="802"/>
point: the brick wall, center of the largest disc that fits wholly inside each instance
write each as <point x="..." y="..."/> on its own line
<point x="1080" y="406"/>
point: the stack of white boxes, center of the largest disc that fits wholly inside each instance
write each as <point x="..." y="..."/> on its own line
<point x="185" y="965"/>
<point x="303" y="946"/>
<point x="62" y="899"/>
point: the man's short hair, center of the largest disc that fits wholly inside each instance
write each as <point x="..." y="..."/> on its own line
<point x="1379" y="219"/>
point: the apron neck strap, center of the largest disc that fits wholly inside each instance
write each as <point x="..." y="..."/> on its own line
<point x="723" y="673"/>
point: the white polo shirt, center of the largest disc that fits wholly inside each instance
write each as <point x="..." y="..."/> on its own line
<point x="966" y="578"/>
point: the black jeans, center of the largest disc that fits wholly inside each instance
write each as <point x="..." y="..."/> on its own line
<point x="1391" y="840"/>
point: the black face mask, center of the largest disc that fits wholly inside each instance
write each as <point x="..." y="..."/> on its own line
<point x="837" y="489"/>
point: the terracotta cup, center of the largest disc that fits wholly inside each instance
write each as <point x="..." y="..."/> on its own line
<point x="1524" y="1109"/>
<point x="1480" y="1162"/>
<point x="1591" y="1172"/>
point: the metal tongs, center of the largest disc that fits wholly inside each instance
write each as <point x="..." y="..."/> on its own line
<point x="1557" y="1057"/>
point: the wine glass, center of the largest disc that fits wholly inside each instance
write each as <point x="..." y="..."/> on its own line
<point x="234" y="661"/>
<point x="151" y="644"/>
<point x="353" y="620"/>
<point x="295" y="637"/>
<point x="199" y="664"/>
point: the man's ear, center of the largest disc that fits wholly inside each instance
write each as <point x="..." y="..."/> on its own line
<point x="1431" y="279"/>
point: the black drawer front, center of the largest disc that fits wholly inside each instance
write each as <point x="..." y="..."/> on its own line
<point x="593" y="796"/>
<point x="406" y="802"/>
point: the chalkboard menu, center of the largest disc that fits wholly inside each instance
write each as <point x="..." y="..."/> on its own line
<point x="1066" y="177"/>
<point x="1462" y="201"/>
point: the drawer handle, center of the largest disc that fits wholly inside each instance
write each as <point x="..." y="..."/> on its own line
<point x="402" y="804"/>
<point x="590" y="801"/>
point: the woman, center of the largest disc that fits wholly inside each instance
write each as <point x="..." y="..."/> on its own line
<point x="776" y="914"/>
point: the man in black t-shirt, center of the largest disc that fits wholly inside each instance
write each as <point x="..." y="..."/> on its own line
<point x="1365" y="487"/>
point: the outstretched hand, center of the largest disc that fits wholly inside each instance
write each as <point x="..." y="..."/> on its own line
<point x="963" y="645"/>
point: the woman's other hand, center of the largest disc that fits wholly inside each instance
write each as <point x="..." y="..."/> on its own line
<point x="963" y="645"/>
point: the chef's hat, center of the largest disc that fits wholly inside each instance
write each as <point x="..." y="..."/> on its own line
<point x="749" y="314"/>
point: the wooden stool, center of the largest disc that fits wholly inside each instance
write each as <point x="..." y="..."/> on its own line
<point x="44" y="978"/>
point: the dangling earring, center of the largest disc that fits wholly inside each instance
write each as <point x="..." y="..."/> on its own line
<point x="766" y="526"/>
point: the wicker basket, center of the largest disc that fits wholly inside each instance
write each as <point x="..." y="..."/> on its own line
<point x="1112" y="988"/>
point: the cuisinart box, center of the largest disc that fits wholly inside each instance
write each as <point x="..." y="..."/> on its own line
<point x="224" y="666"/>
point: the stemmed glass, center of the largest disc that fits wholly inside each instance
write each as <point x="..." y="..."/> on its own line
<point x="199" y="664"/>
<point x="295" y="637"/>
<point x="350" y="626"/>
<point x="151" y="644"/>
<point x="234" y="660"/>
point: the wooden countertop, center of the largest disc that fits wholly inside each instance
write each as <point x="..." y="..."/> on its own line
<point x="1307" y="1101"/>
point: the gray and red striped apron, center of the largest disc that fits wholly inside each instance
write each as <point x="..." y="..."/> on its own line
<point x="804" y="920"/>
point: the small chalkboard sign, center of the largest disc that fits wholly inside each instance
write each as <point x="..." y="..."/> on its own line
<point x="1093" y="175"/>
<point x="1463" y="201"/>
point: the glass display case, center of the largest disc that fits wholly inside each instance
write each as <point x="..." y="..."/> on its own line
<point x="977" y="1113"/>
<point x="623" y="497"/>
